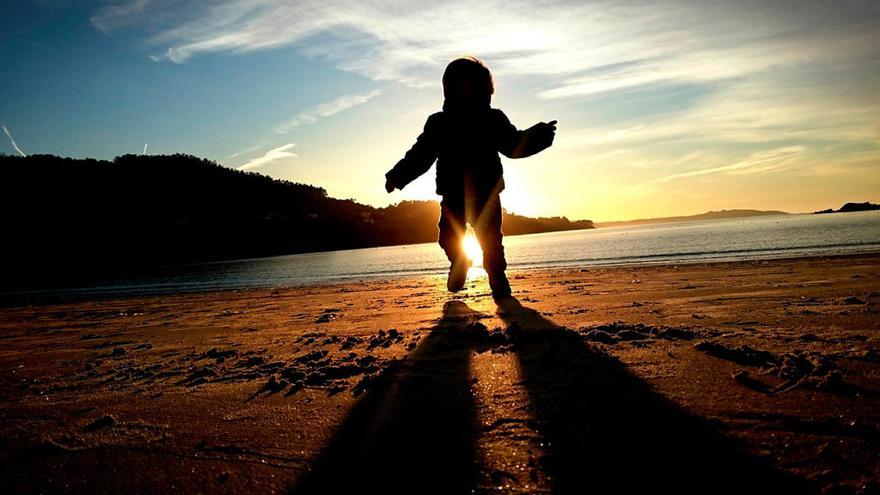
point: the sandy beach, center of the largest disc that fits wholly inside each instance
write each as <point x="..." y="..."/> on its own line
<point x="739" y="377"/>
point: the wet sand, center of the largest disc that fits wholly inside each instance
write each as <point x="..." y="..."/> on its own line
<point x="758" y="377"/>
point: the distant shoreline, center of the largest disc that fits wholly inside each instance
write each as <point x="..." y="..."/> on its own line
<point x="652" y="244"/>
<point x="710" y="215"/>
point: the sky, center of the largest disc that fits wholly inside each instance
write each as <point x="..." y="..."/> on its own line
<point x="663" y="108"/>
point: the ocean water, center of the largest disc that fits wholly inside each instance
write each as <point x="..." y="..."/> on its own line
<point x="775" y="236"/>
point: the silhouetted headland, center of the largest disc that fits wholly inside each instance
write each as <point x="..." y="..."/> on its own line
<point x="851" y="207"/>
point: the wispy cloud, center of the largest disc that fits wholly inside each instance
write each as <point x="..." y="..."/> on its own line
<point x="11" y="140"/>
<point x="761" y="114"/>
<point x="118" y="15"/>
<point x="756" y="163"/>
<point x="269" y="157"/>
<point x="326" y="109"/>
<point x="579" y="48"/>
<point x="305" y="117"/>
<point x="244" y="151"/>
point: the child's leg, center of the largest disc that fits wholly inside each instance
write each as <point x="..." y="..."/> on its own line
<point x="487" y="227"/>
<point x="452" y="228"/>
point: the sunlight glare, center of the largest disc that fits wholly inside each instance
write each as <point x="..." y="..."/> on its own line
<point x="472" y="248"/>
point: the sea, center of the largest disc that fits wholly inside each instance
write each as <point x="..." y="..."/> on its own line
<point x="746" y="238"/>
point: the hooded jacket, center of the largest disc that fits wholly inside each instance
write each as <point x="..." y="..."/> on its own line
<point x="465" y="140"/>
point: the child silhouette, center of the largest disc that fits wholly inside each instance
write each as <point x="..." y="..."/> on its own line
<point x="465" y="139"/>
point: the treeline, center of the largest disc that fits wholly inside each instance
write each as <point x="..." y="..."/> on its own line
<point x="66" y="218"/>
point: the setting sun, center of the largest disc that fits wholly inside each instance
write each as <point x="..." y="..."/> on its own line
<point x="472" y="248"/>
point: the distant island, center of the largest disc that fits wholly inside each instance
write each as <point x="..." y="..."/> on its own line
<point x="711" y="215"/>
<point x="75" y="219"/>
<point x="850" y="207"/>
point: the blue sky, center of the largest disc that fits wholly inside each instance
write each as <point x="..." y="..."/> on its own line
<point x="663" y="109"/>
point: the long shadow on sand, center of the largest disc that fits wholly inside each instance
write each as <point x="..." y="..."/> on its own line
<point x="415" y="430"/>
<point x="604" y="429"/>
<point x="607" y="431"/>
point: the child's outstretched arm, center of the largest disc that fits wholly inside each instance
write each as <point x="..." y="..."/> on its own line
<point x="520" y="144"/>
<point x="417" y="160"/>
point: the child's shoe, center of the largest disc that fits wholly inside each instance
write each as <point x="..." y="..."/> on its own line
<point x="458" y="274"/>
<point x="500" y="285"/>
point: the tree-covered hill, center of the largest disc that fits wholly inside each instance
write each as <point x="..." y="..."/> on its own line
<point x="64" y="217"/>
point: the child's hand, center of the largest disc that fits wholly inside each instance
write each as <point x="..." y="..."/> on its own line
<point x="539" y="137"/>
<point x="544" y="133"/>
<point x="389" y="186"/>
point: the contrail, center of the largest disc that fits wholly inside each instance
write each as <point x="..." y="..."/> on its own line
<point x="145" y="148"/>
<point x="13" y="142"/>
